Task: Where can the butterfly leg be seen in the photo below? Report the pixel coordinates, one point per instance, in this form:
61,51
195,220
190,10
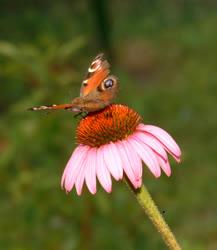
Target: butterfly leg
81,114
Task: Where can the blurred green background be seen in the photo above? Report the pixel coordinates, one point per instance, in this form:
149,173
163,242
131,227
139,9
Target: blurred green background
164,54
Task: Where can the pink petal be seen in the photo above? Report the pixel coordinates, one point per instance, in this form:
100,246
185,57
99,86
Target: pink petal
102,172
73,167
166,139
90,171
147,155
117,160
112,160
153,143
134,159
126,165
70,164
165,166
79,182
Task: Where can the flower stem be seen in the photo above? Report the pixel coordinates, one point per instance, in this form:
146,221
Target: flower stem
147,203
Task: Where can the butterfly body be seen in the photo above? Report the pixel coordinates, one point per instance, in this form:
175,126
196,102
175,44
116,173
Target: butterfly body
97,90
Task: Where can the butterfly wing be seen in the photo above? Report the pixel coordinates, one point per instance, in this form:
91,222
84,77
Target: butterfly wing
96,92
97,72
67,106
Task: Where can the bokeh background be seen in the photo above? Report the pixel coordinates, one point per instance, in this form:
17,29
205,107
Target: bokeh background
164,54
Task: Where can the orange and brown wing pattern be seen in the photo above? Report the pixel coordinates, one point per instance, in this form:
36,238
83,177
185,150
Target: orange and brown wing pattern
97,72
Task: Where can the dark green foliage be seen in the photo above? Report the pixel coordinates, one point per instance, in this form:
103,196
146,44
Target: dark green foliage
165,58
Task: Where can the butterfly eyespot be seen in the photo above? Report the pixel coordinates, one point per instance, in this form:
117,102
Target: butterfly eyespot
94,66
108,83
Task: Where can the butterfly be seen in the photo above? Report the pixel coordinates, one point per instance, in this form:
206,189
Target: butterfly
98,89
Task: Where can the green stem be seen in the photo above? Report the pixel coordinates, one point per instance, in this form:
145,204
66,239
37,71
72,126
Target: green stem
147,203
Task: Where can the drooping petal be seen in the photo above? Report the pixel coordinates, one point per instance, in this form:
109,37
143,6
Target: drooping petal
116,159
112,160
102,172
73,167
127,166
70,164
79,182
153,143
134,159
165,166
147,155
169,143
90,171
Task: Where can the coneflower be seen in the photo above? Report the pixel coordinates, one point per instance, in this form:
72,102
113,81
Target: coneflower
114,142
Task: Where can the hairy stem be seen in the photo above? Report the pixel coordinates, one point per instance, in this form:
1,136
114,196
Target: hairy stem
148,205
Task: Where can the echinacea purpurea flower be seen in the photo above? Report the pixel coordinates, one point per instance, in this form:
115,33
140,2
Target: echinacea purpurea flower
114,142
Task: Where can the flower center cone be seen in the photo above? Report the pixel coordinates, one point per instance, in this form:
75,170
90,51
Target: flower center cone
115,122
